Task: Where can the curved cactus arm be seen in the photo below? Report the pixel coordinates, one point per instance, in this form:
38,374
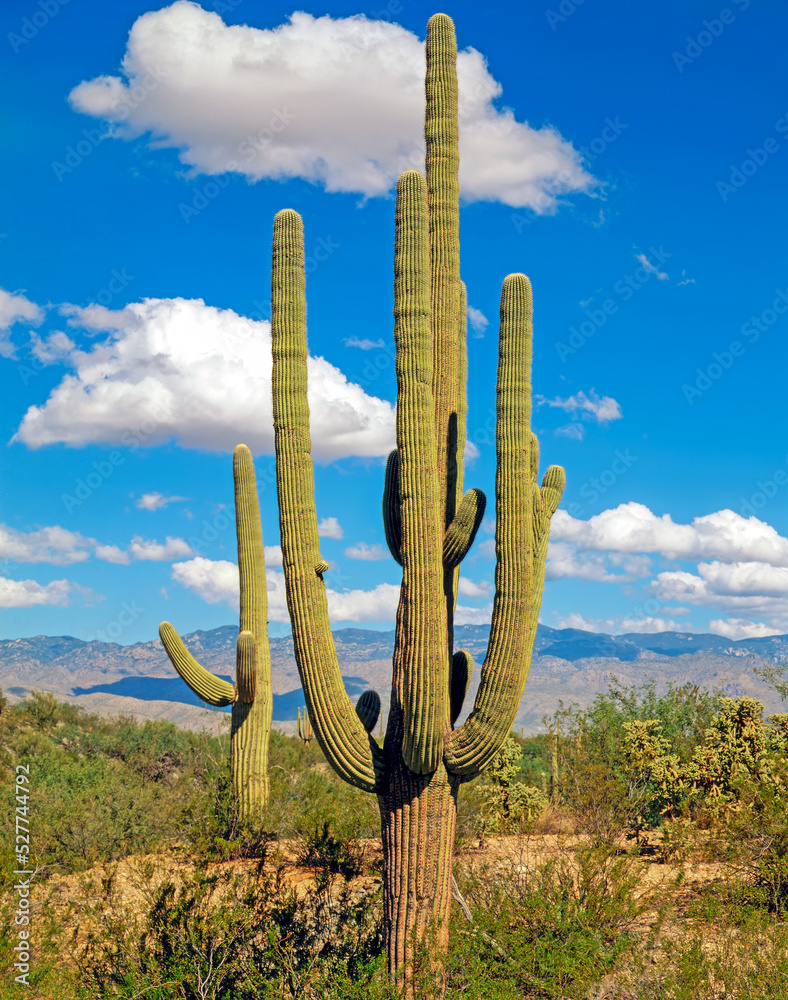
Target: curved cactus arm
368,709
461,532
422,657
461,673
246,667
338,729
205,685
392,513
520,509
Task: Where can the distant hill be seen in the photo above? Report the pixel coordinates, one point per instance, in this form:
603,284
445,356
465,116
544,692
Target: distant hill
568,664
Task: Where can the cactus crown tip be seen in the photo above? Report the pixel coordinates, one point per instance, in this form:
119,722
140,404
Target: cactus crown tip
438,21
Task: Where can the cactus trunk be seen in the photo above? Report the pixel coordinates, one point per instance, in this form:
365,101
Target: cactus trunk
429,526
250,696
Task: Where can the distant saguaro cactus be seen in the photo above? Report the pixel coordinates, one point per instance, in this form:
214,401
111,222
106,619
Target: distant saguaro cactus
429,525
250,696
305,733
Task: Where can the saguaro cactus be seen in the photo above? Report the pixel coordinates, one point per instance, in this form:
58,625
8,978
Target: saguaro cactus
429,526
250,696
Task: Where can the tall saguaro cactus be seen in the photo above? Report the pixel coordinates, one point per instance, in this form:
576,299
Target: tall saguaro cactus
250,696
429,527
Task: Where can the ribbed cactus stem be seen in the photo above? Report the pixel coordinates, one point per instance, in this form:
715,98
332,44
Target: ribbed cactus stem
420,637
429,527
505,669
251,695
338,730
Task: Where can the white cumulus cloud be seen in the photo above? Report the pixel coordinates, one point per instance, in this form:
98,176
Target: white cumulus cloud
603,409
365,552
155,501
329,527
150,549
337,102
216,582
179,369
15,308
632,527
29,593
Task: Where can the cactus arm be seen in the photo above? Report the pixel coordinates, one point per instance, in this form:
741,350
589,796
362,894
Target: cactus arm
461,673
205,685
368,709
392,515
462,531
421,649
521,530
337,728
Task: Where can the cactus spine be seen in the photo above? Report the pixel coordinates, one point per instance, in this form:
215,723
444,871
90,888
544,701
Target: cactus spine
429,527
250,696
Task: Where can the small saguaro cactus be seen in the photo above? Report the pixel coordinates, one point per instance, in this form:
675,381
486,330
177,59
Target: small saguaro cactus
305,733
429,525
250,696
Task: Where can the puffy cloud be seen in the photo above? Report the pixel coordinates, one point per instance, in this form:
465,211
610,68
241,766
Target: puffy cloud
178,369
603,409
273,555
364,343
29,593
478,321
563,560
113,554
329,527
741,628
173,548
14,308
465,615
622,624
367,553
481,591
53,544
155,501
52,349
729,588
337,102
632,527
216,581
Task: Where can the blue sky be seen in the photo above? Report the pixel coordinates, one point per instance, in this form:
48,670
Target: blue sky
628,158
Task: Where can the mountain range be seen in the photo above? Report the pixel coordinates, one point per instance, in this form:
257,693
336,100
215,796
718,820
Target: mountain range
570,665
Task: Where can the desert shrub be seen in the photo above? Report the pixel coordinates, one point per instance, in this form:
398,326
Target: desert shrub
508,802
218,933
550,929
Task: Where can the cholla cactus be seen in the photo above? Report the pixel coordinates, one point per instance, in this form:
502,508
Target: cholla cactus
429,525
250,696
